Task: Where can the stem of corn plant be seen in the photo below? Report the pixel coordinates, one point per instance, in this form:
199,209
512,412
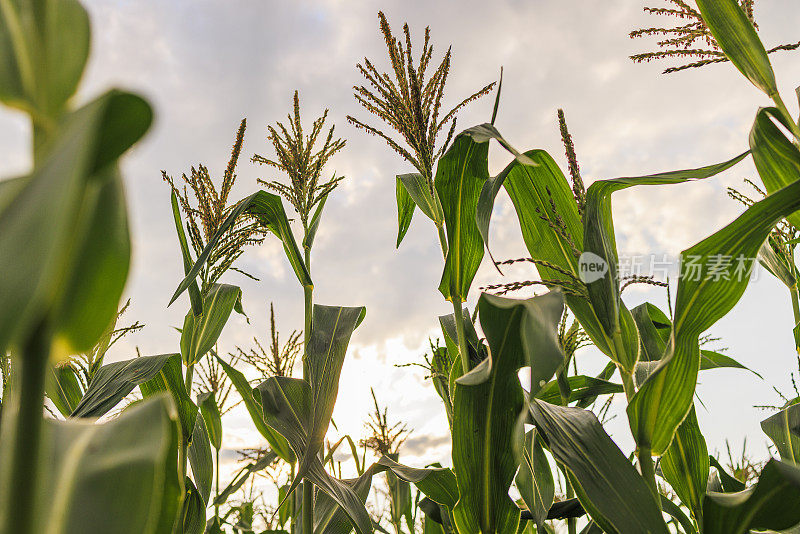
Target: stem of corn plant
216,487
308,488
572,523
457,310
28,397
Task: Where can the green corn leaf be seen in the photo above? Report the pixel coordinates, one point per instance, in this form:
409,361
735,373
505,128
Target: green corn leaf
277,442
200,334
63,388
437,483
676,512
331,329
48,229
534,479
199,453
313,226
729,483
608,486
194,291
405,211
288,408
779,266
460,175
519,333
782,428
126,468
114,381
704,296
44,54
599,240
655,328
419,191
777,159
772,504
210,410
737,37
268,209
194,510
715,360
583,388
652,334
243,475
170,379
534,190
685,465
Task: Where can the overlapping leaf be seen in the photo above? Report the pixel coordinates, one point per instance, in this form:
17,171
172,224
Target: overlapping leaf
253,404
534,479
519,333
608,486
169,379
114,381
199,334
772,504
782,428
685,465
707,290
127,474
460,175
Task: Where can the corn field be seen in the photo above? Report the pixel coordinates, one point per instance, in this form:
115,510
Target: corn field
540,437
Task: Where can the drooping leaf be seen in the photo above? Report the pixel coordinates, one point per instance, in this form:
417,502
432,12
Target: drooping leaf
405,211
114,381
707,290
582,388
534,479
243,475
608,486
772,504
728,482
268,209
519,333
782,428
736,36
200,334
210,410
460,175
47,232
331,329
420,193
716,360
599,239
199,453
125,469
276,442
677,513
437,483
169,379
288,408
685,465
777,159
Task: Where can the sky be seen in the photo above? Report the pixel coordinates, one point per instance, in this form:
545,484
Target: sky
204,65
